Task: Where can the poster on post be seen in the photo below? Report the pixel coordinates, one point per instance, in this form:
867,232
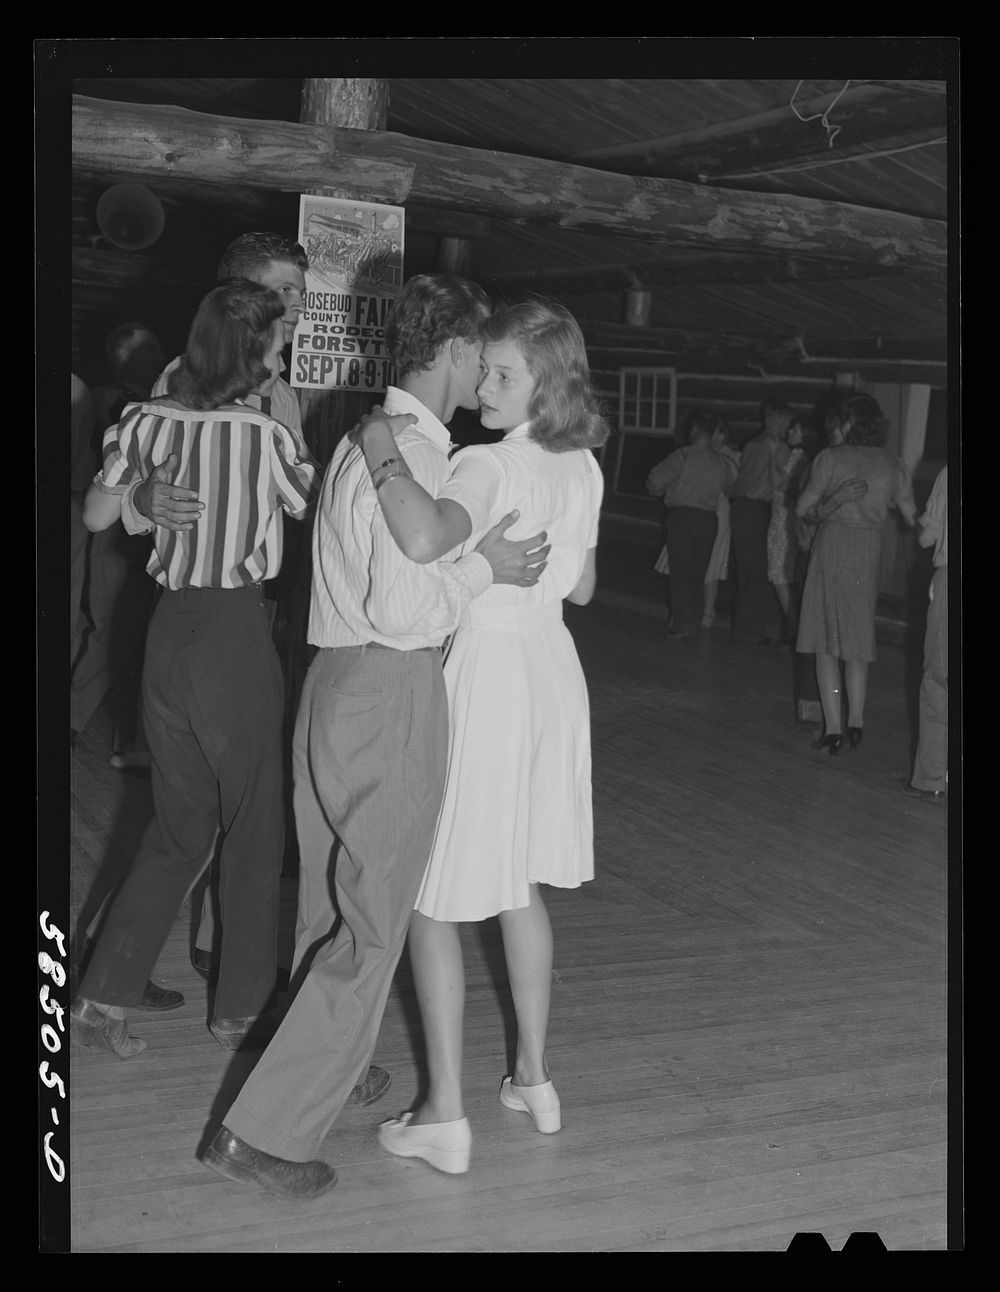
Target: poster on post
355,252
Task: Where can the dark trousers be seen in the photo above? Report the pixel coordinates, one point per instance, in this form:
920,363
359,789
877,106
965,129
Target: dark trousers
119,596
212,705
756,612
690,535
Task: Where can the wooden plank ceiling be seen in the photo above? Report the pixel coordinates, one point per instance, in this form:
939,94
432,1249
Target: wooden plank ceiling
880,145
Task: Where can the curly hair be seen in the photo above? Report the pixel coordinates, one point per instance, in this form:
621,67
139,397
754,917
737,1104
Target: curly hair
864,424
231,333
565,413
430,310
252,252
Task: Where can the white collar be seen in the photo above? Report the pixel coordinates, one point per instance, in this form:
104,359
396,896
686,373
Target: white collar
401,401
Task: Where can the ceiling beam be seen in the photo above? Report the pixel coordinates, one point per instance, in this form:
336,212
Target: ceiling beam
265,209
865,116
151,141
922,361
686,270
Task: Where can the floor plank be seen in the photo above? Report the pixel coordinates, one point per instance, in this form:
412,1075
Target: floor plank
749,1017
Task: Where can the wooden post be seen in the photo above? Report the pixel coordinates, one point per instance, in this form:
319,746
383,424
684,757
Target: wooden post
638,304
358,104
454,256
326,414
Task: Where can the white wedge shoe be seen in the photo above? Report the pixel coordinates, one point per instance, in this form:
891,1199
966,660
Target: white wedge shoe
445,1145
541,1102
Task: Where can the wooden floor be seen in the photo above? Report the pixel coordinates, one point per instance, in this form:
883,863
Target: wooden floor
749,1016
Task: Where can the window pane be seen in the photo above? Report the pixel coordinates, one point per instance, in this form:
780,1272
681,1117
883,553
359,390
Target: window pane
646,398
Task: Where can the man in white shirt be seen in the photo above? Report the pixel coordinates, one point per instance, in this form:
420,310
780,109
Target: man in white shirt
370,750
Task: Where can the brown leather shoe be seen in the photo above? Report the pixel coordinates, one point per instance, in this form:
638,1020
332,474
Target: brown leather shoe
92,1028
373,1086
237,1160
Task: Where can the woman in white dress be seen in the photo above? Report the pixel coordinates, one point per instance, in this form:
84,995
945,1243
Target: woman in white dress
517,808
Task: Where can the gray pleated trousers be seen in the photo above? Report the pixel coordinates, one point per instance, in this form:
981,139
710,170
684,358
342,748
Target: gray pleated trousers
370,755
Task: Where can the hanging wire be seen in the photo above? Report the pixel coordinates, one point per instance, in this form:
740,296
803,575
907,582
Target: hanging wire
831,131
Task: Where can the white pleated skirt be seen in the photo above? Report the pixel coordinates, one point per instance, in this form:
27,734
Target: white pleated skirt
517,806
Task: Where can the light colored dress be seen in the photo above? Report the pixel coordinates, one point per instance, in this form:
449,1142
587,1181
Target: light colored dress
517,807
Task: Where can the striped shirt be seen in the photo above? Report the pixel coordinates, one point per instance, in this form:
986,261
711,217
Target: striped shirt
282,406
364,589
244,466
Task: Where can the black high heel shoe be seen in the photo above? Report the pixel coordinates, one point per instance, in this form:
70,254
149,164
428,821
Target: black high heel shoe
854,736
831,743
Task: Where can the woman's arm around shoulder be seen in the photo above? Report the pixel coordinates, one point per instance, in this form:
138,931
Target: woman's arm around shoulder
424,528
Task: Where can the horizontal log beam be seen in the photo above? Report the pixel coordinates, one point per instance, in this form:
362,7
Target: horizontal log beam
933,348
441,223
687,270
153,140
772,355
264,209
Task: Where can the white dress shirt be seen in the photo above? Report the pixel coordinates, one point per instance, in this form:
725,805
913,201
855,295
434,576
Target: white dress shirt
363,588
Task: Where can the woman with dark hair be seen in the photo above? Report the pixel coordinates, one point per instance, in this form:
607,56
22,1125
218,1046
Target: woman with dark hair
212,688
850,489
517,809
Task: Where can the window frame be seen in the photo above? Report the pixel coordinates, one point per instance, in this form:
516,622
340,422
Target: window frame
656,399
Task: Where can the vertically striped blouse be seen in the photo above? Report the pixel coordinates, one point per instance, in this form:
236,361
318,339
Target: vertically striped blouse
243,465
